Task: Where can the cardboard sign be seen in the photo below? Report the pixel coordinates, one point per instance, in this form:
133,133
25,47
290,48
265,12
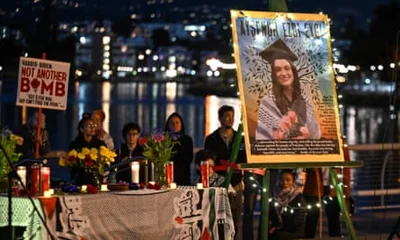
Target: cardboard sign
42,83
287,87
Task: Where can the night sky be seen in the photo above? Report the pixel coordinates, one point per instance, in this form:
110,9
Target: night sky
338,10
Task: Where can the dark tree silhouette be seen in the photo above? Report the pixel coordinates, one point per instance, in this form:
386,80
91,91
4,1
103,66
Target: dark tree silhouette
160,37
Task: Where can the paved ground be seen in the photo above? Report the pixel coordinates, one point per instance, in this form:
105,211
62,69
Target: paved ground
369,225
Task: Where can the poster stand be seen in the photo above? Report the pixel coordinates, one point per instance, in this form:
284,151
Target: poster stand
266,182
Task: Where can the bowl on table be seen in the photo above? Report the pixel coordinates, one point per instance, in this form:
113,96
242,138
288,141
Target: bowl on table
118,187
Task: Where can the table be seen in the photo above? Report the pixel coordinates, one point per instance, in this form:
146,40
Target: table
184,213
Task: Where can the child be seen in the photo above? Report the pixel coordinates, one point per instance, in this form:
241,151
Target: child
288,215
215,180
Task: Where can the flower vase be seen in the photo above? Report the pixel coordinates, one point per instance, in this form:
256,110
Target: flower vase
85,176
161,174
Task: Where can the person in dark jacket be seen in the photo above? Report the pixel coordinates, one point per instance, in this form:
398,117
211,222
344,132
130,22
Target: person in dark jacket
86,139
28,133
288,210
86,135
183,156
220,142
129,149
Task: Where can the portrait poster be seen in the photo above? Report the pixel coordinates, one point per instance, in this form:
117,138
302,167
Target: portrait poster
287,88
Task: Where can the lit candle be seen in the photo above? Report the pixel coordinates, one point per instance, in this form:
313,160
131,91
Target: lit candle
83,188
199,185
173,185
51,191
35,178
46,194
135,172
170,173
204,173
45,171
21,171
104,187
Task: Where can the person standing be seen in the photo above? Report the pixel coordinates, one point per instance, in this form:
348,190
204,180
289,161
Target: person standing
98,116
220,142
28,133
129,149
183,156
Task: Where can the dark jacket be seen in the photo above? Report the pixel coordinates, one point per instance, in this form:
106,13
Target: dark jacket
292,222
183,156
124,173
28,147
80,143
214,143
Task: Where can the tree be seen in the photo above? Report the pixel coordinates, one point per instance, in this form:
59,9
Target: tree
160,38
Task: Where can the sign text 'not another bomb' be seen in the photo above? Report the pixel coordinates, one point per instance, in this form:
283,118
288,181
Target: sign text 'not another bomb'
43,83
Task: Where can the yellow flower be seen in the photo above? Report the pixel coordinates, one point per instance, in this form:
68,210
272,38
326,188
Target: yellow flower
73,152
62,162
19,140
94,153
83,153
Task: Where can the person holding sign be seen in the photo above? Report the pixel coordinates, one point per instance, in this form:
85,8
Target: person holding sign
285,112
28,133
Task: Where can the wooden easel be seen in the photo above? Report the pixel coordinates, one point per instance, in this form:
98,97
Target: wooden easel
266,182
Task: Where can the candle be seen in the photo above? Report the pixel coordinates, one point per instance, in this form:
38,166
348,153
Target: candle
170,173
151,169
135,172
144,172
173,185
46,194
204,173
35,179
21,171
83,188
199,185
103,187
45,171
51,191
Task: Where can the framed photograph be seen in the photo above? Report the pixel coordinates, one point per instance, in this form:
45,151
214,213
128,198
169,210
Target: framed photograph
287,87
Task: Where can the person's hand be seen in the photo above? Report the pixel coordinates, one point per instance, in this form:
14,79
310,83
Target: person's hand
304,132
278,134
292,116
39,139
285,124
272,230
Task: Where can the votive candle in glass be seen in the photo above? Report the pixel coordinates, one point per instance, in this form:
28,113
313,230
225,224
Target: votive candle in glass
21,171
170,173
135,167
35,188
45,171
204,173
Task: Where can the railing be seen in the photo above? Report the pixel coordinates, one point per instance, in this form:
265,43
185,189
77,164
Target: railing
377,184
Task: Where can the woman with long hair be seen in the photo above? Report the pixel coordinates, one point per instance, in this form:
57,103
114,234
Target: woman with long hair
285,112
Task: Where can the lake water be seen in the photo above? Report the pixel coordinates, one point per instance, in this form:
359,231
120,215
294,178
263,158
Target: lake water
149,104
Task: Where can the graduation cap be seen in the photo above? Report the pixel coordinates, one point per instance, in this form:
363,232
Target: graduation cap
278,50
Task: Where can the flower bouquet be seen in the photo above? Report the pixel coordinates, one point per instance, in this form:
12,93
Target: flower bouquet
290,127
90,161
9,141
158,148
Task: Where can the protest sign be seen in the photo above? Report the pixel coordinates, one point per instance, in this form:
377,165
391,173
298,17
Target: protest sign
42,83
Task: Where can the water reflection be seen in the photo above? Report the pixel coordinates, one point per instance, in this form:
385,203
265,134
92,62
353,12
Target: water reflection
149,104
